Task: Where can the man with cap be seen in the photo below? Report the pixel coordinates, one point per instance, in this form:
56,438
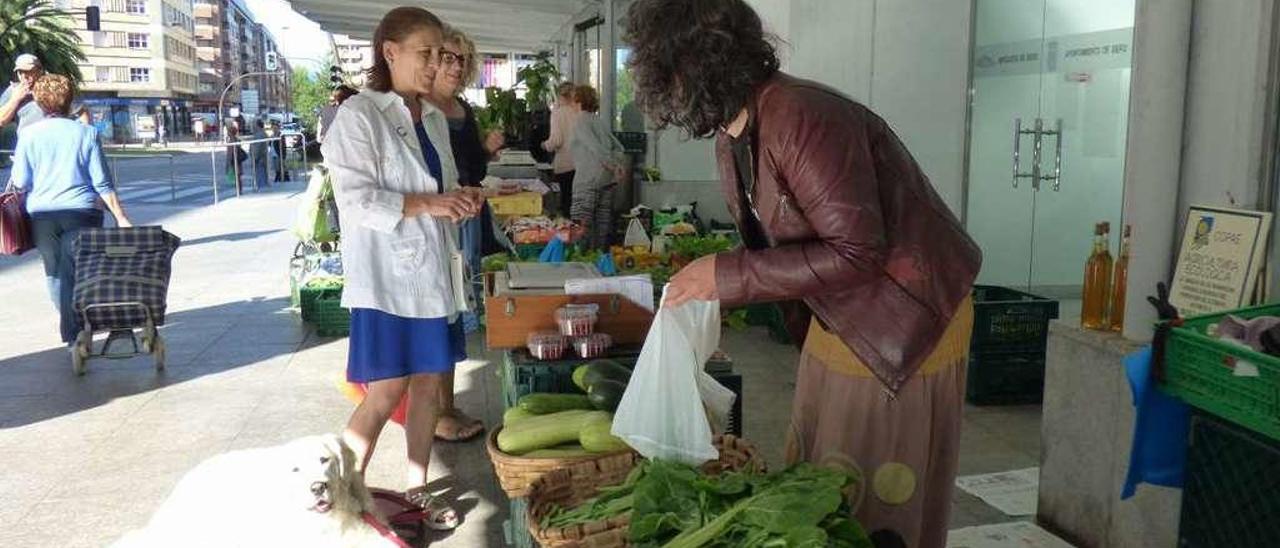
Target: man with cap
16,100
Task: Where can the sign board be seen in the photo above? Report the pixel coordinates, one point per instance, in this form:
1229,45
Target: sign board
1222,252
145,127
249,102
271,61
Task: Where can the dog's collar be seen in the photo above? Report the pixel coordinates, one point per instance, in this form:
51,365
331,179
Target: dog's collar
383,530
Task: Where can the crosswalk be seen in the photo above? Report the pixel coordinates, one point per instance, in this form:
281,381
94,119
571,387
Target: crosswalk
185,189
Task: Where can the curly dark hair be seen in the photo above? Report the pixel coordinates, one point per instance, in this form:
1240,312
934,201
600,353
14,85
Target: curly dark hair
696,63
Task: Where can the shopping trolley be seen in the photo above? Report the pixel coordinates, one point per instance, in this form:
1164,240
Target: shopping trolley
122,285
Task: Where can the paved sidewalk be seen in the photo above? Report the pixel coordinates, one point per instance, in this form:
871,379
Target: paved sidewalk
83,460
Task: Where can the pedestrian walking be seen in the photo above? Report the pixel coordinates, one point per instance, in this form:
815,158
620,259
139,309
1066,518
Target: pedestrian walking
235,156
281,152
60,166
197,127
258,151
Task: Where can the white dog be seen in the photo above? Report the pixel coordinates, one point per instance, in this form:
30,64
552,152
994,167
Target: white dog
305,493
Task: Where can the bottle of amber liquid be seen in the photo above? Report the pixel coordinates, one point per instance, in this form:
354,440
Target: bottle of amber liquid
1118,283
1097,278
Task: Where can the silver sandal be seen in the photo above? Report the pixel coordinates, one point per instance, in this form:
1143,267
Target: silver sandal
437,514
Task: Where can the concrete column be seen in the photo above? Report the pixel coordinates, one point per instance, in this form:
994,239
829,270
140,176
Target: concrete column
609,62
1153,152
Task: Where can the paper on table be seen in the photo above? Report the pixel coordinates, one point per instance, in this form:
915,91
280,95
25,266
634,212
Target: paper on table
1018,534
636,288
1013,492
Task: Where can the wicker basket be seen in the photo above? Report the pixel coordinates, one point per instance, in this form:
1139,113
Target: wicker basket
515,473
575,484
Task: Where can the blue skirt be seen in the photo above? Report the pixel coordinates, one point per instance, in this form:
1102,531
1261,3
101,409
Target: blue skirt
385,346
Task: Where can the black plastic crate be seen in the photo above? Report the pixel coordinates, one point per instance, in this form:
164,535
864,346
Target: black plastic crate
522,374
1010,321
1232,492
1005,379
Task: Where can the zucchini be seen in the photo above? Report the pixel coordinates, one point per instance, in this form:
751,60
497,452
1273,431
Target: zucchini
597,438
579,375
559,451
515,414
606,394
599,370
542,404
545,431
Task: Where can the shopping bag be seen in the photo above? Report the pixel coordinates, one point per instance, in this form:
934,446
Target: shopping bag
554,252
666,408
312,221
15,225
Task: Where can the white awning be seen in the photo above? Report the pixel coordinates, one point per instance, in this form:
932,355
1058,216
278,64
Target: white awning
495,25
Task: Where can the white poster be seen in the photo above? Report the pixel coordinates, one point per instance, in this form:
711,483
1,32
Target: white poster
1218,263
1013,492
1018,534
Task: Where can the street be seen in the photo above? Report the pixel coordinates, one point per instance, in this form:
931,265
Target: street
147,179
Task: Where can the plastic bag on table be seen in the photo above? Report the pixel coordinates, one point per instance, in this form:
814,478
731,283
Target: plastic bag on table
664,412
554,252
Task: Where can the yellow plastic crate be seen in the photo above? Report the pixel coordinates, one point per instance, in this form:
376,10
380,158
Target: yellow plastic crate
523,203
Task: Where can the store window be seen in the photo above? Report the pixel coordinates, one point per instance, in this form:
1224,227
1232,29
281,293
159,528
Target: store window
136,7
138,40
139,75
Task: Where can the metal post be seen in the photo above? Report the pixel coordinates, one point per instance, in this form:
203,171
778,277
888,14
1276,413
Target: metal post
213,164
305,165
173,191
235,166
115,173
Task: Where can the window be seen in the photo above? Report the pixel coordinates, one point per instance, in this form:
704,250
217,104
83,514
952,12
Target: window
136,7
139,75
138,40
103,74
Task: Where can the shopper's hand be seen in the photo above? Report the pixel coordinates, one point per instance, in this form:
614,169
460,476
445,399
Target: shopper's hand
476,197
124,222
454,206
696,281
494,142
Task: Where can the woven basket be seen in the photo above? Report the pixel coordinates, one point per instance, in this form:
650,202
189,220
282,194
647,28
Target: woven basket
515,473
577,483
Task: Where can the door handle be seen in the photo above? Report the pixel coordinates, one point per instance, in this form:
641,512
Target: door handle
1035,155
1057,156
1018,132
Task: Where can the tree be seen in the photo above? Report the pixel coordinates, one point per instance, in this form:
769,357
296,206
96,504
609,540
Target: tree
310,94
38,27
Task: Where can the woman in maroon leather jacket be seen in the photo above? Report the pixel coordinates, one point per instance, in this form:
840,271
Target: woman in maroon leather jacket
838,220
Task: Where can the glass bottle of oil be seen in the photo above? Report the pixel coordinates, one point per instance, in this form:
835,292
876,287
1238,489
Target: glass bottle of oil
1097,278
1118,282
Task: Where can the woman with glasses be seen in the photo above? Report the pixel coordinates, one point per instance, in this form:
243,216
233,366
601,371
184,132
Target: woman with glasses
472,151
396,185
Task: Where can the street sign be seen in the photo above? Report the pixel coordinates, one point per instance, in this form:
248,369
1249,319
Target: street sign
272,63
249,101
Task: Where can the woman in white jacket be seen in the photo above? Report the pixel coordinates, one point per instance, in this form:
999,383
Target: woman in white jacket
396,185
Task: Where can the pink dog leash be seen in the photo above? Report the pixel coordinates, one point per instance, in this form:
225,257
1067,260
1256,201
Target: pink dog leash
383,530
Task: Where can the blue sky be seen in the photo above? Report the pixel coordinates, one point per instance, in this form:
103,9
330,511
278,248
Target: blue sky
305,44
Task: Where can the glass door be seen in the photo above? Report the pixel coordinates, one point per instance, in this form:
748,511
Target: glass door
1004,102
1048,122
1084,92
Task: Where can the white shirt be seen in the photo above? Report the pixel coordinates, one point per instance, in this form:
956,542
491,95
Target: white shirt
394,264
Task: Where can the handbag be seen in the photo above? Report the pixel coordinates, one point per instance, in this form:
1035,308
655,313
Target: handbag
15,225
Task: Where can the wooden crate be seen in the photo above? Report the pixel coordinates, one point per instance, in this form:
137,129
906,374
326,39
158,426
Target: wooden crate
511,315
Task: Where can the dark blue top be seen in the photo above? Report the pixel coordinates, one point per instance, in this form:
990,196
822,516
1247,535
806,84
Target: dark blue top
431,156
468,147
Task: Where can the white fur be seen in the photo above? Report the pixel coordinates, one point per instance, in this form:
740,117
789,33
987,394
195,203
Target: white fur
264,497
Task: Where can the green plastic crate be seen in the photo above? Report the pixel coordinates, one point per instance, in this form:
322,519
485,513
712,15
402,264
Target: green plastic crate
1229,499
307,297
516,528
1010,321
1005,379
1201,371
522,375
330,318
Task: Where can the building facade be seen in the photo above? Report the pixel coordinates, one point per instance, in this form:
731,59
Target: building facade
140,68
354,57
231,43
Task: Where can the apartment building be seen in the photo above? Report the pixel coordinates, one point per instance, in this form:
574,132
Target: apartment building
140,68
354,57
231,43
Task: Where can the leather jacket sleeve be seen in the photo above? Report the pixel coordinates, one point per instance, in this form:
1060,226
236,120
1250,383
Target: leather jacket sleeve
824,157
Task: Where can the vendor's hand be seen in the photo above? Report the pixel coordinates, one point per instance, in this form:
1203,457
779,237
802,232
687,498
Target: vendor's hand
494,142
696,281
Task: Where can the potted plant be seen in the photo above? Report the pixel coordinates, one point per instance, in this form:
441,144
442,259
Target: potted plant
539,80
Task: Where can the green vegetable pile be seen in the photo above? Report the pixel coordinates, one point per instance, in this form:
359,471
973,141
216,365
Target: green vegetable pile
324,282
692,247
495,263
675,506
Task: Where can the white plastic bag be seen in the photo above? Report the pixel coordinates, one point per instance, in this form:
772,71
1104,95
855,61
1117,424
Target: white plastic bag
664,412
